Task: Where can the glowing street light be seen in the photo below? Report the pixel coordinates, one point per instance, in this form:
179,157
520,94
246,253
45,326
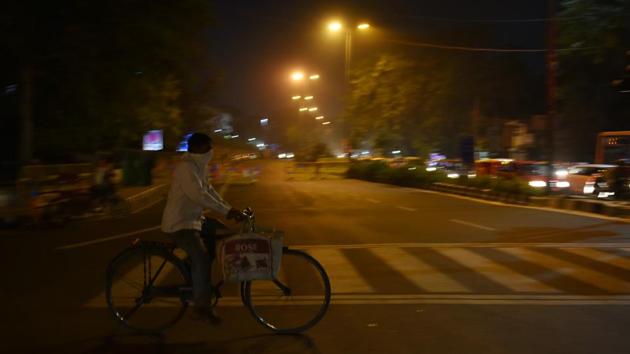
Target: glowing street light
297,97
326,123
314,77
297,76
319,117
312,109
308,98
251,139
335,26
303,109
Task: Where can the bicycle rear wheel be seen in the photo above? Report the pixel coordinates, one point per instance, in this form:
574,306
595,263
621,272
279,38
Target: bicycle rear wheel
146,287
293,302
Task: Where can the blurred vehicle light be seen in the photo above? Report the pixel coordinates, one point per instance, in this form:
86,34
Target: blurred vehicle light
563,184
453,175
562,173
537,184
589,188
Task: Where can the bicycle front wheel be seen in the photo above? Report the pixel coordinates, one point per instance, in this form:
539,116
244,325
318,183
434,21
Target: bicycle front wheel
293,302
145,288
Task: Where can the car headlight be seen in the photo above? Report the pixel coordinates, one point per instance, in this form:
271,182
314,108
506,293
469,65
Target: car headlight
562,173
452,175
563,184
537,184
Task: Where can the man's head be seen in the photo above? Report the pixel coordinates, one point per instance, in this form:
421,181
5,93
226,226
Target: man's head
199,143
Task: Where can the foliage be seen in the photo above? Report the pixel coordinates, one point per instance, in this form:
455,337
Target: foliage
599,34
313,152
426,101
379,171
104,74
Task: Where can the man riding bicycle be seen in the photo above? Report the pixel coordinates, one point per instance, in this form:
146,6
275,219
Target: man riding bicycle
189,194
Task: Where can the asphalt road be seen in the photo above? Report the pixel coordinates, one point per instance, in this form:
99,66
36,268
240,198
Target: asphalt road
411,271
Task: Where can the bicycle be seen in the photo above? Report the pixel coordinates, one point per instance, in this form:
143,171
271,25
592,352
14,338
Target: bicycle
169,287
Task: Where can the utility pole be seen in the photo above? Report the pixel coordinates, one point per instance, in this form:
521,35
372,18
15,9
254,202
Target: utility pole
552,68
348,55
26,114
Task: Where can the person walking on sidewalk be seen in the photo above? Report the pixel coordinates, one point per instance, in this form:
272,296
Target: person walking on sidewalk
183,219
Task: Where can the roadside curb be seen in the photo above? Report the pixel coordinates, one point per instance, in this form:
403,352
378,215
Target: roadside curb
561,202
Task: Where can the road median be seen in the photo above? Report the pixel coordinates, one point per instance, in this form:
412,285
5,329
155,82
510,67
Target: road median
608,208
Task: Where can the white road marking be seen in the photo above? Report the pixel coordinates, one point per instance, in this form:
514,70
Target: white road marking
586,275
423,275
105,239
468,245
146,191
601,256
478,226
406,208
496,271
372,200
416,299
344,276
490,202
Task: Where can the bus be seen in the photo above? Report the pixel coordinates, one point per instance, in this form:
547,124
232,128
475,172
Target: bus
612,146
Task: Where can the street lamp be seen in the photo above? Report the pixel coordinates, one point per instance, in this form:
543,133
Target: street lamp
326,123
312,109
297,76
314,77
296,97
303,109
319,117
308,98
336,26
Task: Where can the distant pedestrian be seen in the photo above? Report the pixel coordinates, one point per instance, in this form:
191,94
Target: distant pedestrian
104,185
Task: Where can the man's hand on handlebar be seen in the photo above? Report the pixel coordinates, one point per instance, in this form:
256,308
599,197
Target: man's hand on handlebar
235,214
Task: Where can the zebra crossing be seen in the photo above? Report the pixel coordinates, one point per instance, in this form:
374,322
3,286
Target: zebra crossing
470,269
467,273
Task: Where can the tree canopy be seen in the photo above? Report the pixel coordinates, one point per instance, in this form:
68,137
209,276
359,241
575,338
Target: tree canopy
99,76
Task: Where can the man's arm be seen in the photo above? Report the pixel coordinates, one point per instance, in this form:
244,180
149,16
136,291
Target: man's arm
194,189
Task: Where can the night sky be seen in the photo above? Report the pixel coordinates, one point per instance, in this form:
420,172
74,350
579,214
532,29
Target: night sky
258,43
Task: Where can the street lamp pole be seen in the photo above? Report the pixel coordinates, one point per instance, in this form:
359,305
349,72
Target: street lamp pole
348,54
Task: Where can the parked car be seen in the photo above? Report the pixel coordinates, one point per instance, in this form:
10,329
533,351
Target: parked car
588,178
